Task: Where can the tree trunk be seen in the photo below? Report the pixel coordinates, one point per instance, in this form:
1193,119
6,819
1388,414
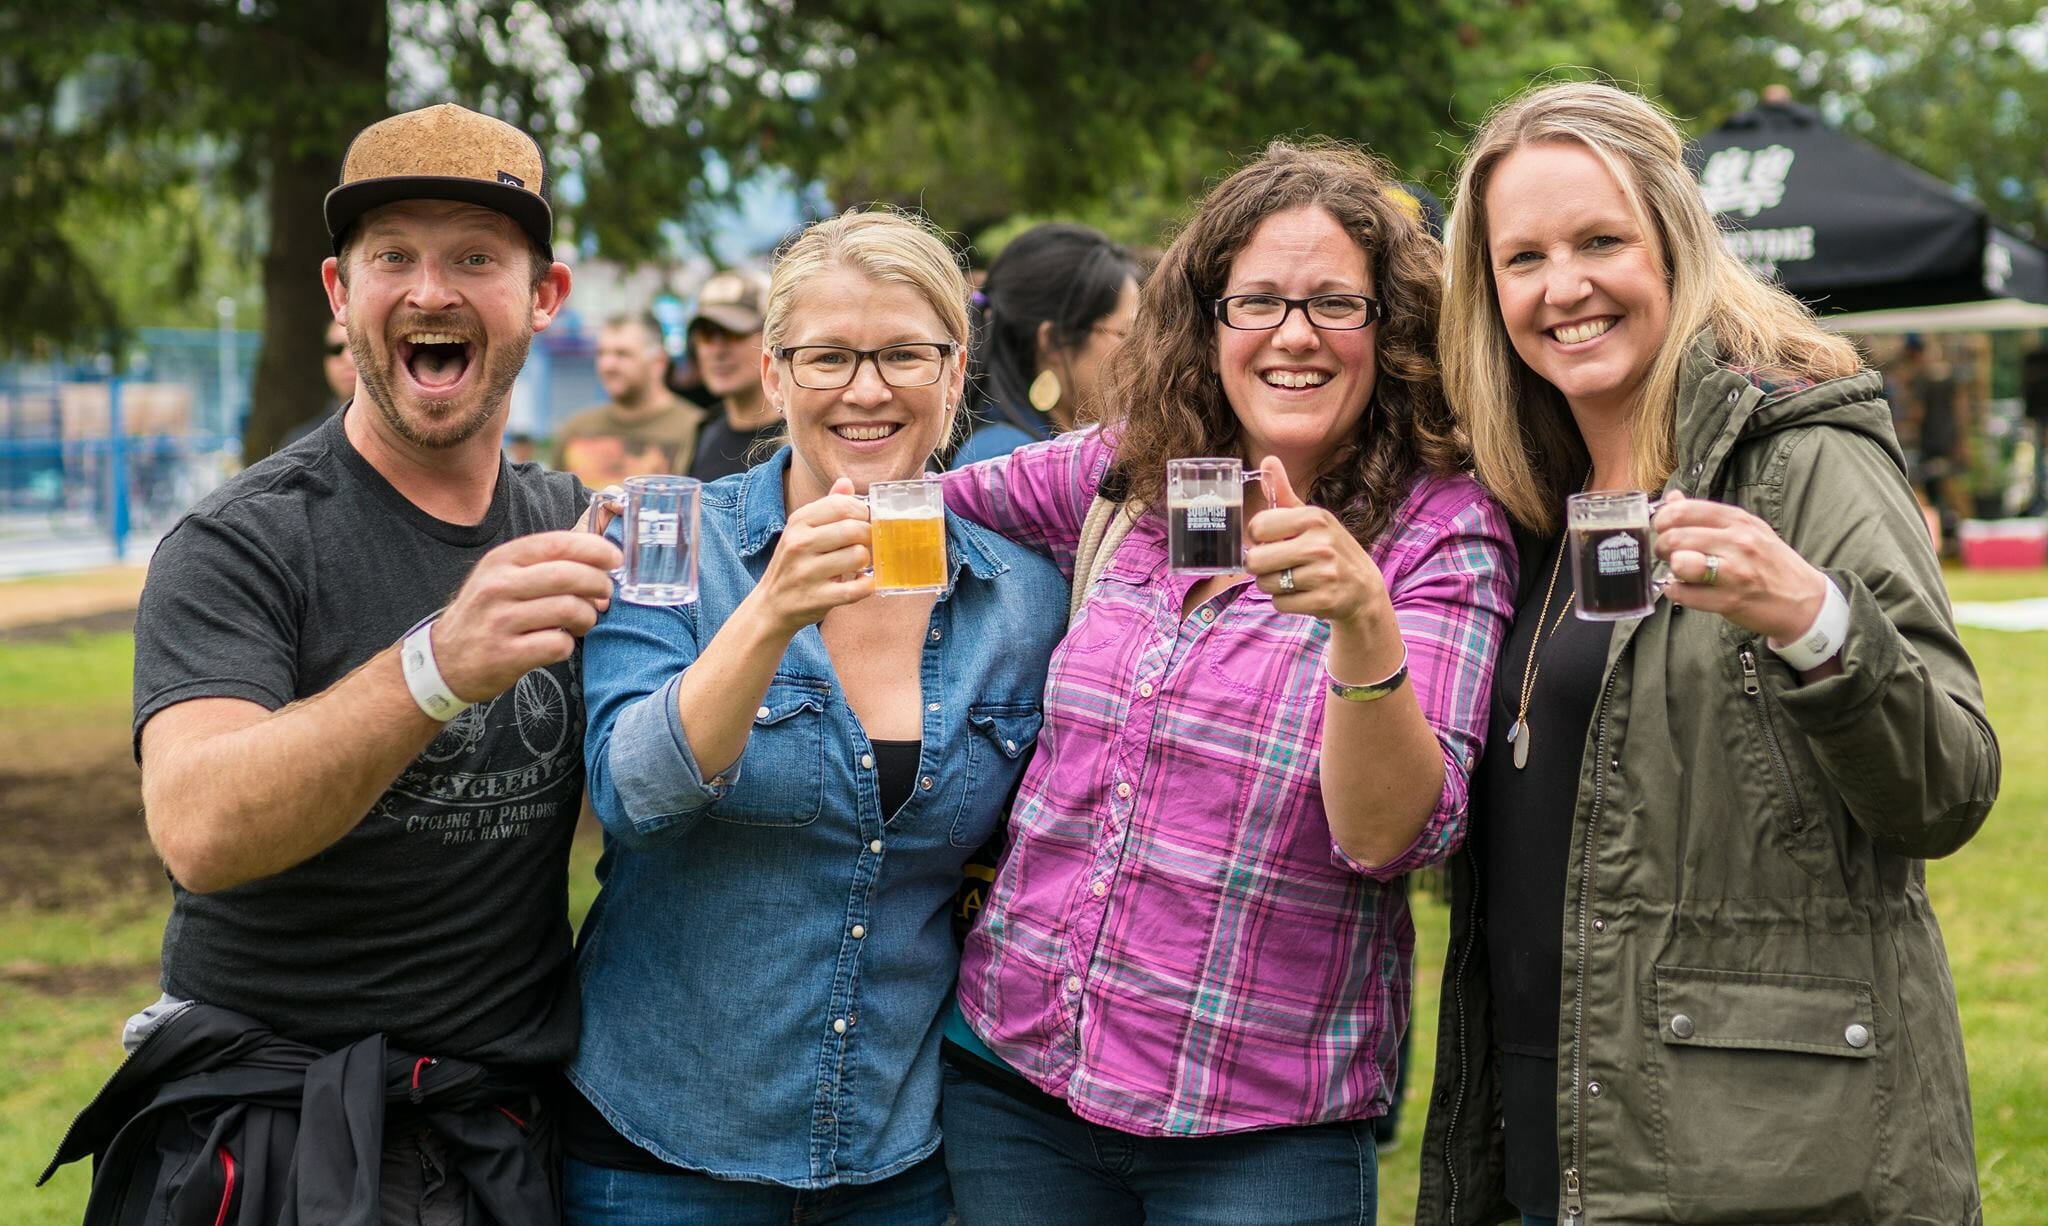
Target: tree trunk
302,155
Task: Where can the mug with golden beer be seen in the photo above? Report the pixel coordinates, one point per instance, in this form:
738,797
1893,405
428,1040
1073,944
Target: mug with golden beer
908,521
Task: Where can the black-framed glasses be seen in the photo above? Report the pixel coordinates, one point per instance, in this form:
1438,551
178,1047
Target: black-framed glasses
827,368
1264,312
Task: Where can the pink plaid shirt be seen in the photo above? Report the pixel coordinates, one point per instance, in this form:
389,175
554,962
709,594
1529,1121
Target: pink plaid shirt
1175,944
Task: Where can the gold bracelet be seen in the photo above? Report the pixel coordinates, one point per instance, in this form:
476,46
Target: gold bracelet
1373,692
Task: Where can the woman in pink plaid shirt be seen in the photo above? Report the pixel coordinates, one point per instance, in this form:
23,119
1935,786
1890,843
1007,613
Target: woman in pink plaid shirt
1184,997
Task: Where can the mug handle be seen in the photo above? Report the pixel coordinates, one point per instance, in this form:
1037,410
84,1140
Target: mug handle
1660,572
605,506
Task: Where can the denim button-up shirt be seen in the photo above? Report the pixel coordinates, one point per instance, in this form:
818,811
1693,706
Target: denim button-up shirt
764,969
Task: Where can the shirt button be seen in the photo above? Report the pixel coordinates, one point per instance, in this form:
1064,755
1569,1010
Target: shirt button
1073,983
838,1025
867,761
875,845
1857,1035
931,706
935,634
1593,1088
761,713
1599,925
1681,1025
1010,745
1124,790
925,783
1099,888
1145,689
1208,615
859,931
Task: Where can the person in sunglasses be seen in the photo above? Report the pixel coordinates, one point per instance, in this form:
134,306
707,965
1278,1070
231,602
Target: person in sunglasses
792,773
339,365
1185,994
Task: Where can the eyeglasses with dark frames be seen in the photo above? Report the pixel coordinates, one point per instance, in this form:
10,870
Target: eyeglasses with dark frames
827,368
1264,312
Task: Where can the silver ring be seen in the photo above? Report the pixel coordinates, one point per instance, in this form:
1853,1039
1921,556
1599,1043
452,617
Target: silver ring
1712,575
1287,580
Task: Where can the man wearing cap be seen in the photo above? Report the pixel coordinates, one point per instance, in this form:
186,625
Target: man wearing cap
725,340
358,717
644,427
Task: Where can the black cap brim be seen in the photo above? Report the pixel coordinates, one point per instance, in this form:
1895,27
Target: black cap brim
346,205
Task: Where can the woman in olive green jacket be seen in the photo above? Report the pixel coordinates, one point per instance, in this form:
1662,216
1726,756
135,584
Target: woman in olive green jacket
1693,975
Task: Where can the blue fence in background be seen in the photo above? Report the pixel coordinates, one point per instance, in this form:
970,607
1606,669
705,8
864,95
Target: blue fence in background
95,467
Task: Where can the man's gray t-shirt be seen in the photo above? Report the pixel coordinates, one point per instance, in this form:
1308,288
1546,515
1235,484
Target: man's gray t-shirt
441,920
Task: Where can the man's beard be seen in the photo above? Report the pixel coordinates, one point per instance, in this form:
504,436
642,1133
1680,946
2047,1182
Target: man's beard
503,360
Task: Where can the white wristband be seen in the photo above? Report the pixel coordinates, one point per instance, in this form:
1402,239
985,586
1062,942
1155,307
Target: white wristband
1822,640
423,677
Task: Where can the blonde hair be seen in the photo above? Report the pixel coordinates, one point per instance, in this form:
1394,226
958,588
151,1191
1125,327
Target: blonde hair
883,244
1525,444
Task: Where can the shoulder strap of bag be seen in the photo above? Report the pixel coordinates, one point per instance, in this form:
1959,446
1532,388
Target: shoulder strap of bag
1107,523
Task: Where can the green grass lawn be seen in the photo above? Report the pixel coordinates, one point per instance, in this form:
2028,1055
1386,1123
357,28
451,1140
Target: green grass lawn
93,964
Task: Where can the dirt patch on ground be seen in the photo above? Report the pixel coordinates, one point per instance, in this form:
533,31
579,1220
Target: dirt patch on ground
91,979
67,598
73,831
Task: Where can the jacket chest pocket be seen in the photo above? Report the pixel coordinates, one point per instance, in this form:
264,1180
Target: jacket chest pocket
1000,738
1769,1099
1779,764
782,772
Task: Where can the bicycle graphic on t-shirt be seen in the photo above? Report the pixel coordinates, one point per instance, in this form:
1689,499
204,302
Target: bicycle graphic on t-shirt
540,715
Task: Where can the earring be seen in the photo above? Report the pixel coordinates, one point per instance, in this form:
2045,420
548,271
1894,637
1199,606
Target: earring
1045,391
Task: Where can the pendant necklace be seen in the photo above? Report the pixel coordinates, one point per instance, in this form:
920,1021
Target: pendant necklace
1518,732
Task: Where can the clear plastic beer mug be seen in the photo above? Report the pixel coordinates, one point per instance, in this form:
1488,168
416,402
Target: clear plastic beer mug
908,522
1615,571
1205,516
659,515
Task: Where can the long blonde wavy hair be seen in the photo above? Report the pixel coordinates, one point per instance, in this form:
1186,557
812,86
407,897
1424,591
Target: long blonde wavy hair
1525,444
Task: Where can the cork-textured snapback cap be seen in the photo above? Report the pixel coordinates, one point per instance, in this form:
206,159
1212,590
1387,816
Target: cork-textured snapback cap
444,152
736,300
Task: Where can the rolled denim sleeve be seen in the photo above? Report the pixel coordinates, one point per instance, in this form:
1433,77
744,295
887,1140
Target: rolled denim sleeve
645,785
1454,594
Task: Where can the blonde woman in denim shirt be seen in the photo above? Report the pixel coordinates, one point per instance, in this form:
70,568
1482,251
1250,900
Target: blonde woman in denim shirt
791,775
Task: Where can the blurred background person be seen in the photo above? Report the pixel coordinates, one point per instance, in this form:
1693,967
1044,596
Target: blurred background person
1053,309
340,367
1693,973
644,427
725,347
791,774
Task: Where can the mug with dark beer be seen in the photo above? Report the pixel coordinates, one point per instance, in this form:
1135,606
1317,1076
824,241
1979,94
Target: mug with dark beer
1205,516
908,522
1614,564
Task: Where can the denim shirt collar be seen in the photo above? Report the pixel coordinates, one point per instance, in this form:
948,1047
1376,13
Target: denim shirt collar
762,518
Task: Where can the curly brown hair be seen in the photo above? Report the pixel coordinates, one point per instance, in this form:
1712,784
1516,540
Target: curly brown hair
1168,402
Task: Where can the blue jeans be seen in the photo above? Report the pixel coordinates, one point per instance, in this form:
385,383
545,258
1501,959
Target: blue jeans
601,1196
1014,1164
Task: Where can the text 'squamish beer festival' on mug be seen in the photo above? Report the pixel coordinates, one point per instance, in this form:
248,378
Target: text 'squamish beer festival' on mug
1613,564
659,544
1205,516
908,522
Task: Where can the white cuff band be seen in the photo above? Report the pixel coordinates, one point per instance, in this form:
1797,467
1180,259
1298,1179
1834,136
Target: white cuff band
423,677
1823,640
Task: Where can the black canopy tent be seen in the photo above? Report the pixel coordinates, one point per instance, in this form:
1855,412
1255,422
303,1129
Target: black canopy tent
1848,227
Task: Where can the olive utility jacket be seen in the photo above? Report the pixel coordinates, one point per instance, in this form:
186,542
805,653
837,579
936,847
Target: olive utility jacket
1756,1020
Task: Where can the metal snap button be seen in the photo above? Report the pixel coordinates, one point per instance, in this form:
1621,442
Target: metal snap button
935,634
761,713
867,761
859,931
875,845
925,783
1593,1088
838,1025
1010,745
1858,1035
1681,1025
